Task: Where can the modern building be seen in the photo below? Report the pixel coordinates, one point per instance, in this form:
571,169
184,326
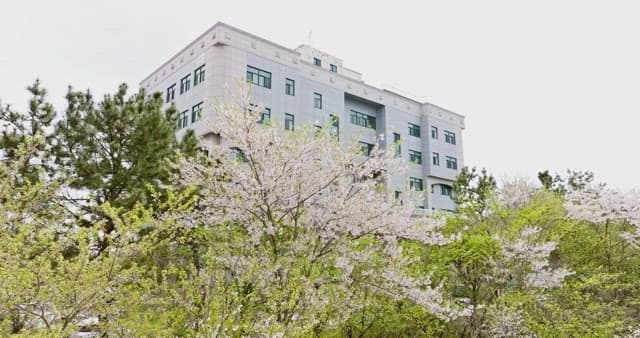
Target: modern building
307,86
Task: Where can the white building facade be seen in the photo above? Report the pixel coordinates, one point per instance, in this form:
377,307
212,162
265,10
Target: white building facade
307,86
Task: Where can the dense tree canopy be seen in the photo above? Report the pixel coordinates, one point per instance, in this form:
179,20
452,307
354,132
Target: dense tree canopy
288,234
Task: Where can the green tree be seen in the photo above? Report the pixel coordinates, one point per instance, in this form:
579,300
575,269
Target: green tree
473,190
116,150
19,127
51,276
575,180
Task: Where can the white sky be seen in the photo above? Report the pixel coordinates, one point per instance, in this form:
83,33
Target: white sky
543,84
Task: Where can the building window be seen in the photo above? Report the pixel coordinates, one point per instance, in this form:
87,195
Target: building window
204,151
445,190
449,137
435,158
363,120
414,130
333,68
366,148
335,126
452,162
171,93
289,122
183,119
317,62
196,112
198,75
258,77
317,100
238,155
396,144
290,87
434,132
265,117
415,184
185,84
415,157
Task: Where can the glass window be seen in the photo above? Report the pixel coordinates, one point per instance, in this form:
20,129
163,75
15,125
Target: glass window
366,148
435,158
335,126
185,84
434,132
317,62
452,162
238,155
265,117
196,112
183,119
333,68
198,75
290,87
258,77
445,190
363,120
289,122
171,93
317,100
415,183
414,130
449,137
396,144
415,156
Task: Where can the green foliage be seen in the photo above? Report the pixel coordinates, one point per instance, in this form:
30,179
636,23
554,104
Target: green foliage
575,179
473,190
148,267
116,148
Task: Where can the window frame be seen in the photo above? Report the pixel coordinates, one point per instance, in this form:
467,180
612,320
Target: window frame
416,182
198,75
171,93
185,84
289,122
369,148
434,132
414,130
415,156
362,119
445,190
317,62
290,88
317,100
333,68
183,119
449,137
258,74
196,112
452,162
397,145
265,112
435,158
335,126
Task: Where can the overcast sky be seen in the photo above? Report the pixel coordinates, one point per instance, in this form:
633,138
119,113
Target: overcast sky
543,84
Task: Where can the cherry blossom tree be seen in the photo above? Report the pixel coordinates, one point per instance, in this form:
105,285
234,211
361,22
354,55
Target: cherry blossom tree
306,228
600,205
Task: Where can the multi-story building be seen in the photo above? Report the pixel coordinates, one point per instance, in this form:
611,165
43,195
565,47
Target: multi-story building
307,86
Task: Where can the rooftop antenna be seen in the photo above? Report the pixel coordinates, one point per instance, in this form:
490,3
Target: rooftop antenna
310,37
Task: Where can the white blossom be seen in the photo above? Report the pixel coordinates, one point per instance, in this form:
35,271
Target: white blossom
526,254
302,205
599,204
